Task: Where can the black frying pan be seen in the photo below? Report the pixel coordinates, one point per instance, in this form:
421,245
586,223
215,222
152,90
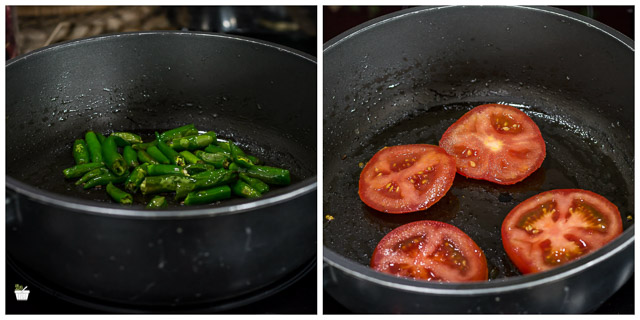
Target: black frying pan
205,257
405,78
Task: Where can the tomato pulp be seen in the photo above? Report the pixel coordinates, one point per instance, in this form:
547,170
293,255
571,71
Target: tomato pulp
495,142
406,178
432,251
558,226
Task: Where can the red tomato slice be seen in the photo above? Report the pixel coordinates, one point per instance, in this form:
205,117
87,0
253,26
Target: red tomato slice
495,142
406,178
432,251
557,226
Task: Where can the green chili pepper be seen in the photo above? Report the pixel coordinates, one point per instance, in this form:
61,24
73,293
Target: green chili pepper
183,188
208,196
166,169
253,159
198,167
144,157
158,184
157,202
174,156
219,160
190,158
157,155
114,160
224,145
81,152
180,160
270,175
104,179
204,180
100,137
119,141
79,170
239,157
176,133
255,183
128,137
130,157
91,174
145,145
135,178
216,149
214,178
243,189
119,195
229,147
193,142
94,146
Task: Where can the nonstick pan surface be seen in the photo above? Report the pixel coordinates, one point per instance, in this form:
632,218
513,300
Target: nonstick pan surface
476,207
266,114
427,68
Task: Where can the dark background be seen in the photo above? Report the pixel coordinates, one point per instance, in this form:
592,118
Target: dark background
299,297
338,19
32,27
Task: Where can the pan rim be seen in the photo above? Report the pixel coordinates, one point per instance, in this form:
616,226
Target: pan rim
285,194
591,23
497,286
75,42
289,193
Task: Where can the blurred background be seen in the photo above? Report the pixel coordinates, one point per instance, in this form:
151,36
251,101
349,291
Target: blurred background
32,27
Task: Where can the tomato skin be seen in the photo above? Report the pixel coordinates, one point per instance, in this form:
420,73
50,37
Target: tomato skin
495,142
406,178
564,225
431,251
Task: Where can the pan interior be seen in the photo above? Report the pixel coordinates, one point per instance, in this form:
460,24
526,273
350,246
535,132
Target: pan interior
477,207
408,78
259,96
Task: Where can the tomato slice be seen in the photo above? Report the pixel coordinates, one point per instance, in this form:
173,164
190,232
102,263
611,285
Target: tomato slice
558,226
495,142
406,178
432,251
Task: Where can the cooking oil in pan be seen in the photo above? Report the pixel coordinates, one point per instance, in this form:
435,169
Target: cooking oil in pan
574,160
